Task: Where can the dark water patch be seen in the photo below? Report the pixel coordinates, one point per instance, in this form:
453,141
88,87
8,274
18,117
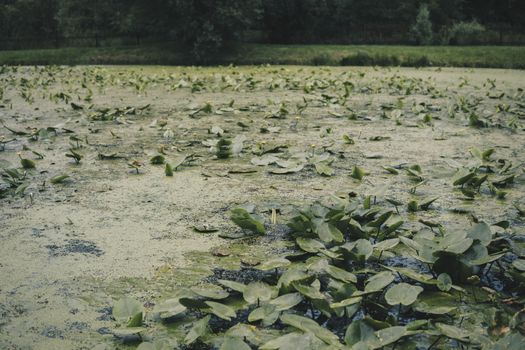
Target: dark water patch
75,246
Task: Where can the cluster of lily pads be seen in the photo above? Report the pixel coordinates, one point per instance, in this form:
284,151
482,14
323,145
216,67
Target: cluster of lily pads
360,274
356,279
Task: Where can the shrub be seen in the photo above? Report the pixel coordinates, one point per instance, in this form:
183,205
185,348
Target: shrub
361,58
322,60
364,59
387,60
468,33
421,31
421,61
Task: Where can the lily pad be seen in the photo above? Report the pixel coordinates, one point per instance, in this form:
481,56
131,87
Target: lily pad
198,330
379,281
436,303
128,310
256,292
170,308
310,326
222,311
286,301
231,343
481,232
274,264
444,282
402,293
246,221
453,332
211,292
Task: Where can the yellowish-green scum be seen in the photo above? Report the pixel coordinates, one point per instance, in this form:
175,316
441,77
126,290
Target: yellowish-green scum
417,169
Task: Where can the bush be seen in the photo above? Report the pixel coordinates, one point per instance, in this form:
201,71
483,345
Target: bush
387,60
361,58
421,31
468,33
421,61
322,60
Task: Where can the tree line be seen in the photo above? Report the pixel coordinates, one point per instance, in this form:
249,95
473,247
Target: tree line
205,26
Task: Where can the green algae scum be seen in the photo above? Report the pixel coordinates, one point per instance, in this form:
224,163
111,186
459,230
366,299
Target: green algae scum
262,208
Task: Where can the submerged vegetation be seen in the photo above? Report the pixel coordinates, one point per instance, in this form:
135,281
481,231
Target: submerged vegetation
376,209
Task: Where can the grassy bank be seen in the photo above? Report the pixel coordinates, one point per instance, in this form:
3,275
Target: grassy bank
333,55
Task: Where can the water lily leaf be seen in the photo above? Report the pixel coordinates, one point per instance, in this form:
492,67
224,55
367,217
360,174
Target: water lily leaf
292,275
380,220
476,251
324,169
264,160
358,173
481,232
462,177
417,324
310,245
247,221
290,170
21,189
416,276
232,343
327,232
135,321
388,336
487,259
198,330
359,250
58,179
195,304
294,341
387,244
402,293
346,302
453,332
158,160
512,341
168,170
348,140
519,264
308,291
455,243
266,312
436,303
256,292
379,281
127,332
391,170
504,181
274,264
128,309
161,344
169,308
444,282
427,202
358,331
340,274
310,326
210,292
220,310
286,301
236,286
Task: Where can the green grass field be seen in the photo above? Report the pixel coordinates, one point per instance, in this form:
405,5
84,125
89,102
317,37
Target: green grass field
247,54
